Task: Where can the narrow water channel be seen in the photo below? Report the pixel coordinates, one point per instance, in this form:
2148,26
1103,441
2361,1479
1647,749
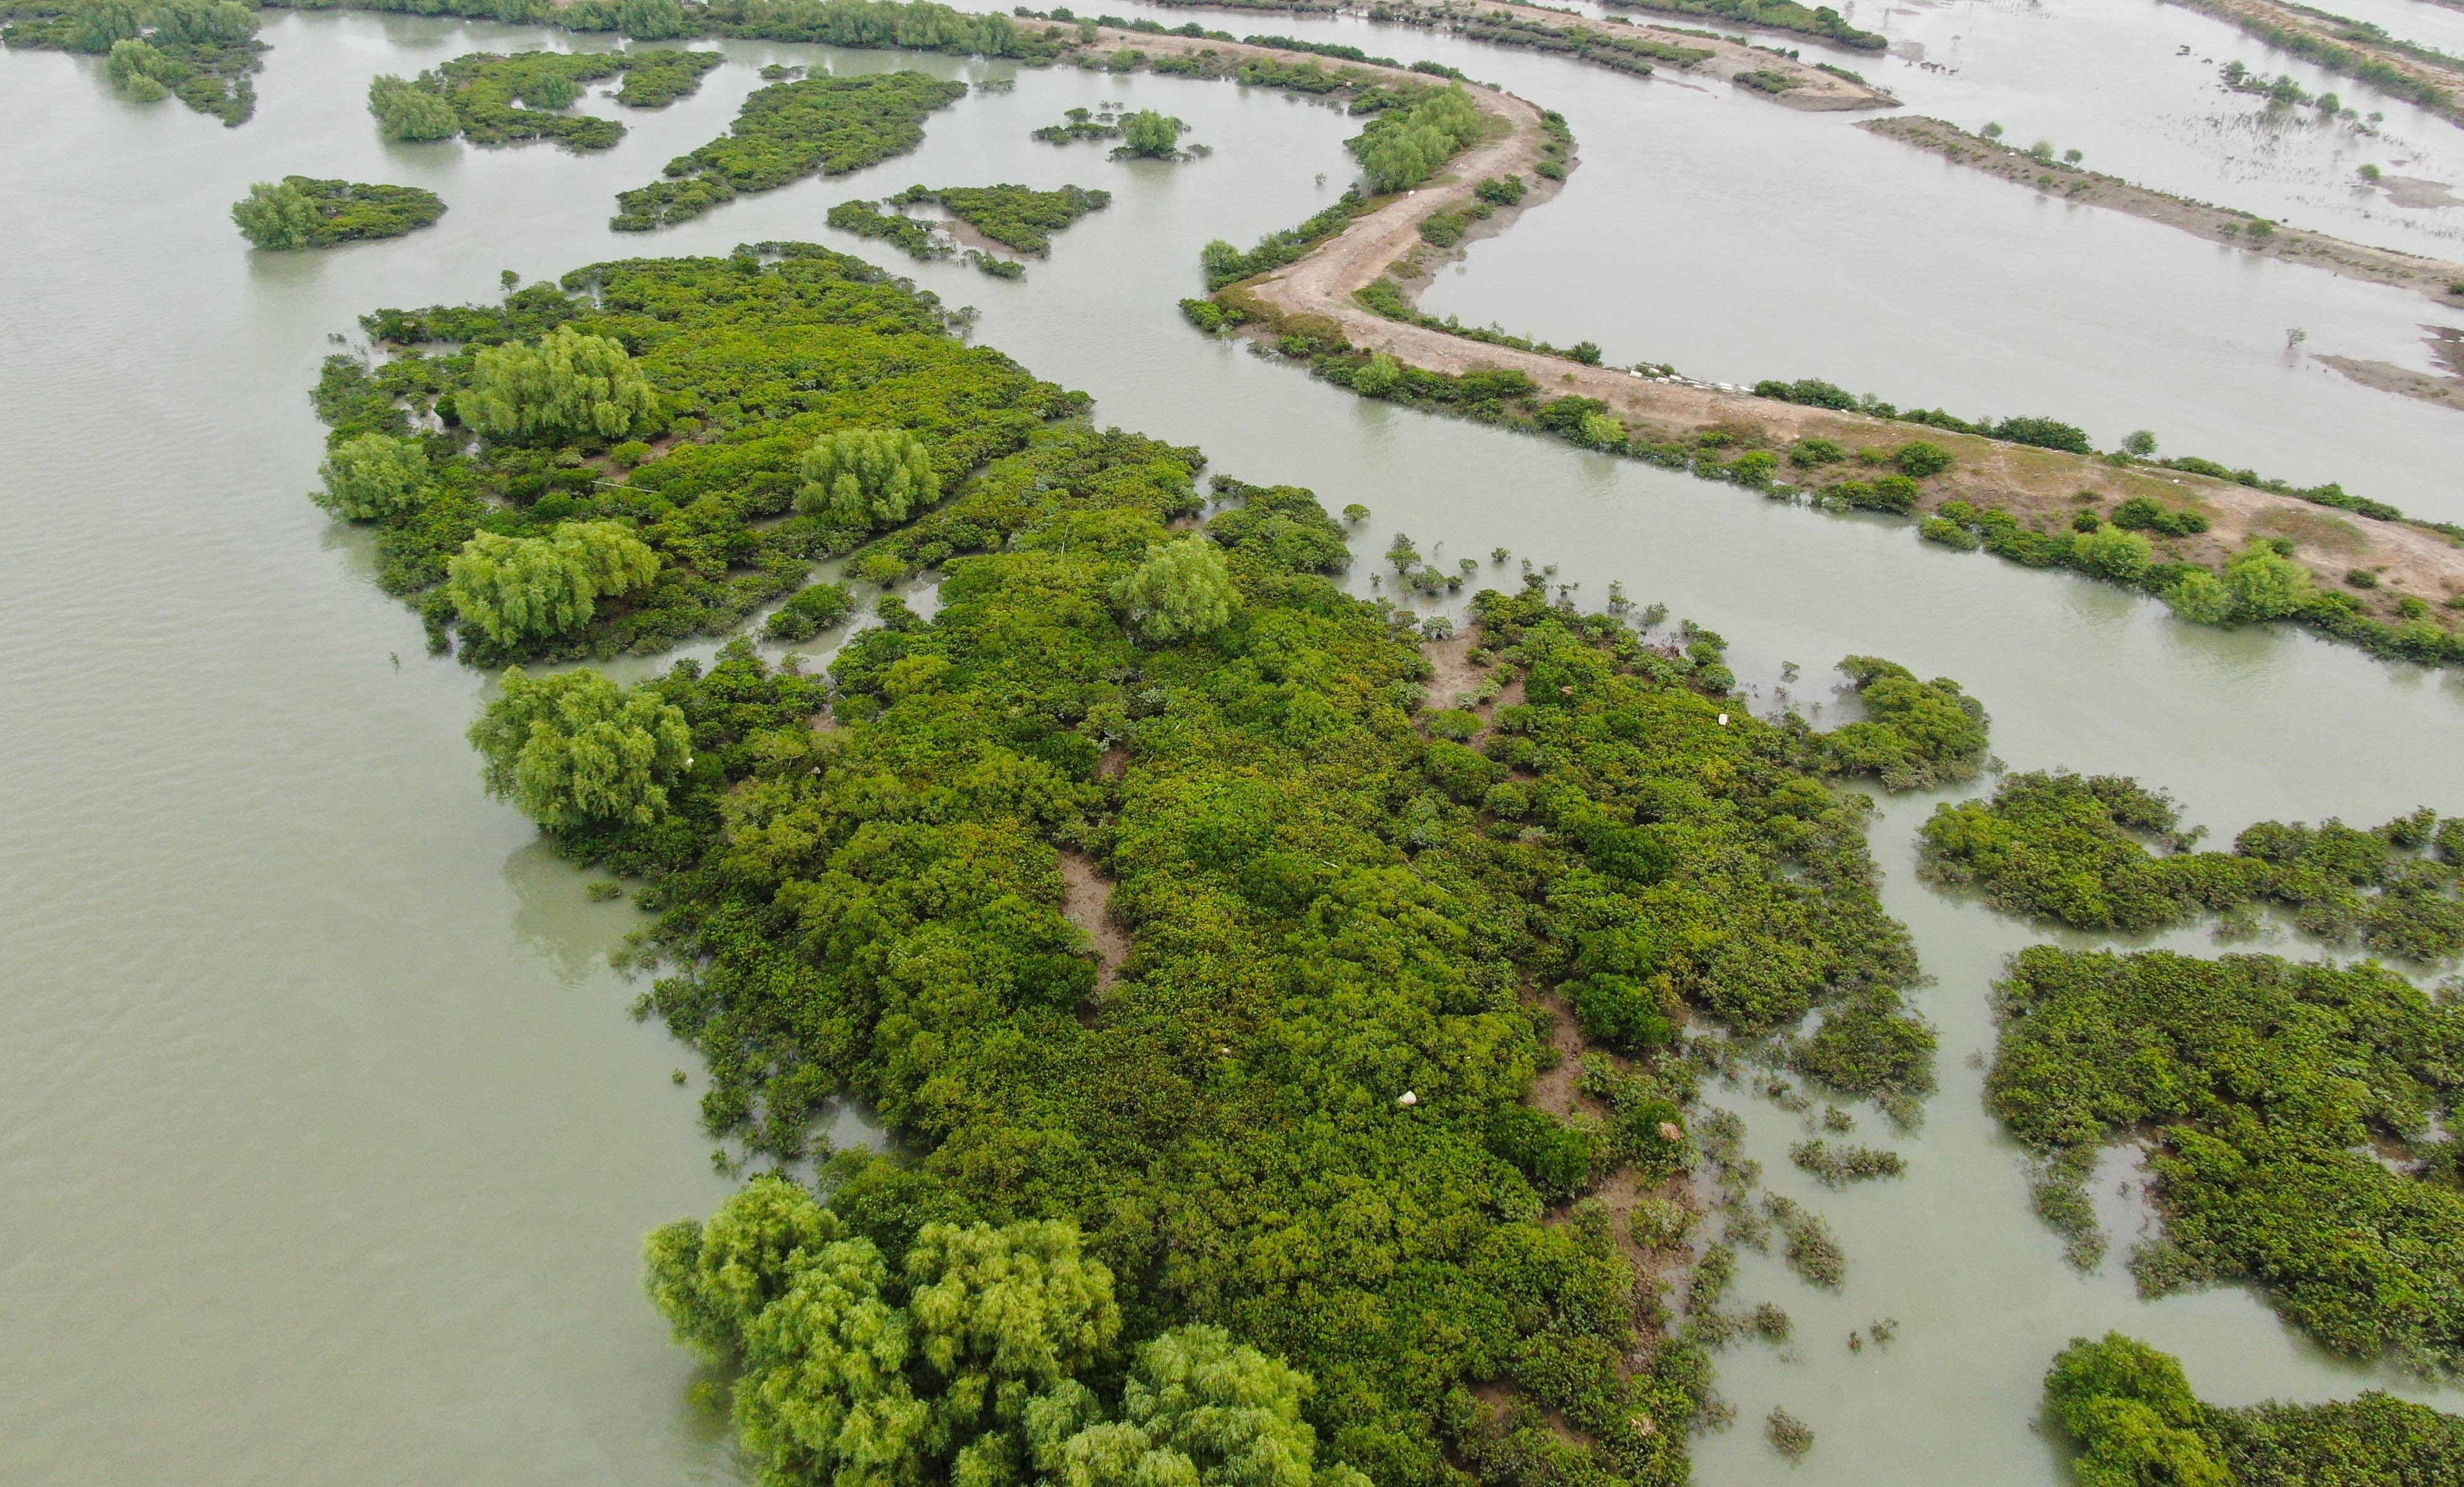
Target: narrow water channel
327,1141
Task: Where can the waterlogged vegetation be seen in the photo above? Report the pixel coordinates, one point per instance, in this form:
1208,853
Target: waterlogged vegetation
203,52
1015,216
788,131
2355,49
495,99
1018,217
300,211
1081,123
2293,1114
1337,921
2084,851
1321,1000
2131,1411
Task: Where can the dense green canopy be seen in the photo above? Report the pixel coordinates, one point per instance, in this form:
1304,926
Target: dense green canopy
2138,1425
2267,1084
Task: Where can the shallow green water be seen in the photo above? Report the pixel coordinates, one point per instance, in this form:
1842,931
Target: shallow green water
326,1141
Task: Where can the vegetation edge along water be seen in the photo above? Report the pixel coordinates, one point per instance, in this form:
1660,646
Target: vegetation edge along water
2130,1412
2376,614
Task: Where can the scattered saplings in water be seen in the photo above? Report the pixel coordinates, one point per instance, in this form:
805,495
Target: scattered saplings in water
1788,1436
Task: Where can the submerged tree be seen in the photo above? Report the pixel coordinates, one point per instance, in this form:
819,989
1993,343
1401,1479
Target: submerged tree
512,589
866,477
575,748
1183,589
1149,134
570,383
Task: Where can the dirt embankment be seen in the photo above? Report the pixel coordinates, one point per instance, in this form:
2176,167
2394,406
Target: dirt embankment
2434,277
2323,39
1815,89
2038,486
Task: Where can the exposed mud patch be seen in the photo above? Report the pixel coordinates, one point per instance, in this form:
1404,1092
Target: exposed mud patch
1088,903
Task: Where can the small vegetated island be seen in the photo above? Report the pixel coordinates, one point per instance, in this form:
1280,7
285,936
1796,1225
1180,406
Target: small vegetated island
1286,1149
1017,217
494,99
298,211
1081,123
203,52
788,131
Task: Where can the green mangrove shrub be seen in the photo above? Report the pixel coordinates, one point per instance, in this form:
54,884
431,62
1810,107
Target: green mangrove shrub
1148,134
866,479
512,589
575,748
1404,147
570,383
1183,591
2130,1411
372,477
1915,736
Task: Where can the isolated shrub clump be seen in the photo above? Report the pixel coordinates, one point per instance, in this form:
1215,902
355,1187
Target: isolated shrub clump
300,211
1915,736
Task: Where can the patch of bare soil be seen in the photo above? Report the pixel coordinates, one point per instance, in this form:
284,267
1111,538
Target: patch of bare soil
1558,1090
1451,673
1086,903
2412,191
2387,376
